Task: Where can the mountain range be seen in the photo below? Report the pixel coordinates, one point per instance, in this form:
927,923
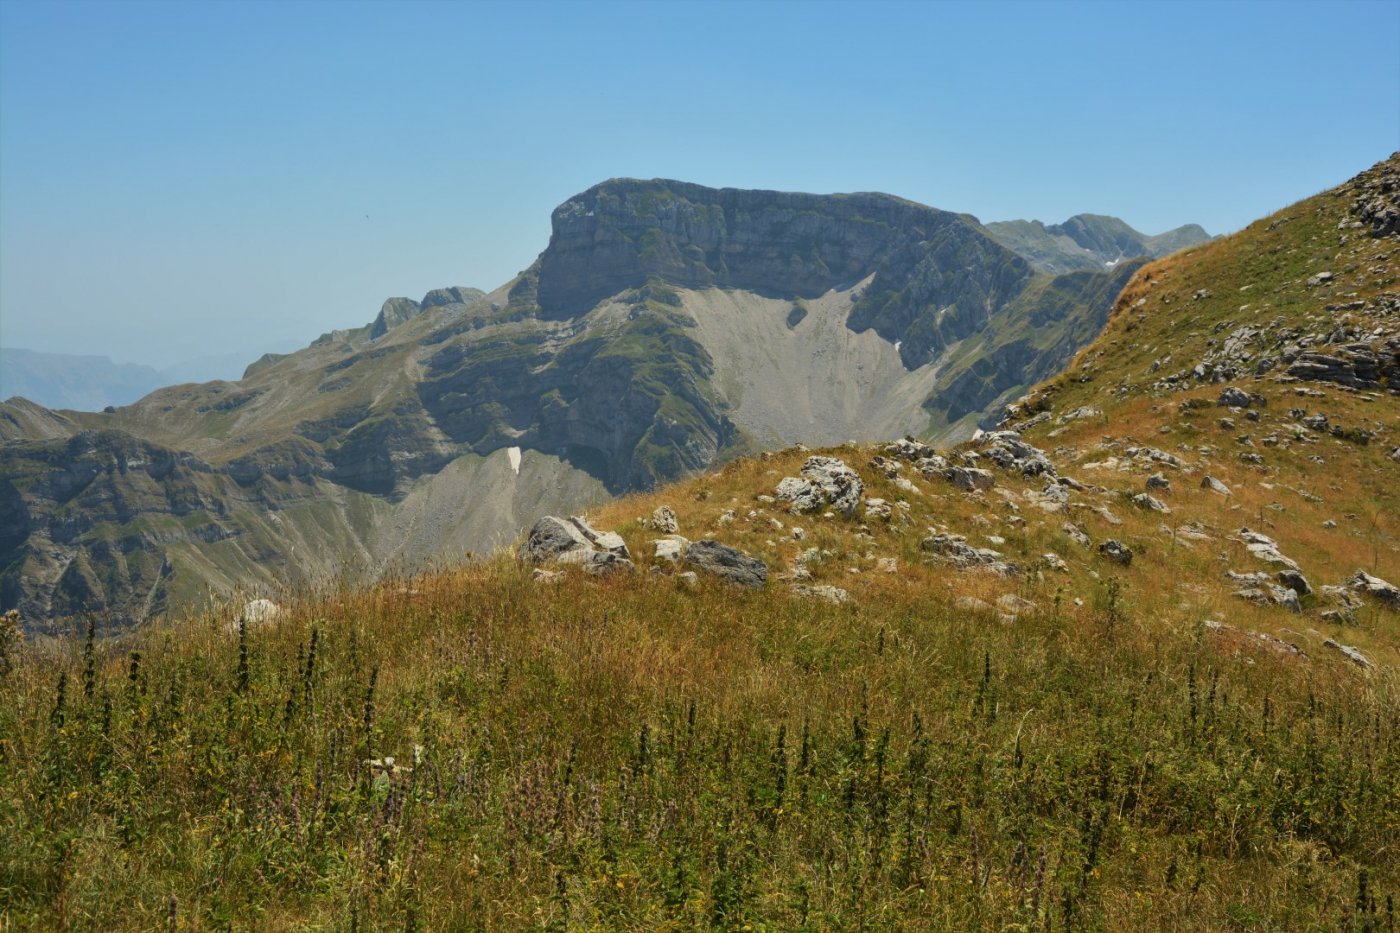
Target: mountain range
666,328
1124,660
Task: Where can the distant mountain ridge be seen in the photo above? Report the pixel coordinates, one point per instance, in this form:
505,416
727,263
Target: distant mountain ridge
1088,241
85,383
666,328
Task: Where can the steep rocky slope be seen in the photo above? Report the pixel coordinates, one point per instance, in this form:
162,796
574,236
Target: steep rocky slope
1088,241
666,328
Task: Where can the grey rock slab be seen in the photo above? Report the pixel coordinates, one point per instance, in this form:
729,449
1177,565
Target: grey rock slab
1214,485
954,549
609,541
1375,587
832,594
1350,653
727,563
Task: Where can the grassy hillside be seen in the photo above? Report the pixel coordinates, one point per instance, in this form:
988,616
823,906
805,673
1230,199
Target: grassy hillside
638,753
1084,744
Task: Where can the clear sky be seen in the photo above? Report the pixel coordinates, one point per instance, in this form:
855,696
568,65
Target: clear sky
185,179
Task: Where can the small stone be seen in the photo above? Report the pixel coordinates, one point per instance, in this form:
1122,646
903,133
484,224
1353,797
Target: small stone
1214,485
832,594
1158,481
1077,535
1012,605
540,575
1143,500
887,565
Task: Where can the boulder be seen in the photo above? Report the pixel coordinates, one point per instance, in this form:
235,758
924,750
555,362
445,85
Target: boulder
1271,594
1234,398
970,478
671,547
931,466
908,449
1295,581
554,538
1143,500
1158,481
663,520
1375,587
727,563
841,486
1117,552
1266,549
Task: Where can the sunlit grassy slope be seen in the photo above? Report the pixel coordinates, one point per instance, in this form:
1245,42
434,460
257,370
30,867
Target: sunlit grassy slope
639,753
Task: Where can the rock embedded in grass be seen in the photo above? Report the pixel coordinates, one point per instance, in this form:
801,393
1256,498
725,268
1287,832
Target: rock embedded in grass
1375,587
1117,552
727,563
832,594
970,479
1214,485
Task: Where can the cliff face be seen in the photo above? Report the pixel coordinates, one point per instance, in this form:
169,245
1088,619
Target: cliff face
666,328
622,233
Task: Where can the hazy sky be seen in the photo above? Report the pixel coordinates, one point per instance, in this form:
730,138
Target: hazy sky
186,179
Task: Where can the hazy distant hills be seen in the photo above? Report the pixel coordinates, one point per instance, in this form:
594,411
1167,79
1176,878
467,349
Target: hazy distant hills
62,380
667,328
91,383
1088,241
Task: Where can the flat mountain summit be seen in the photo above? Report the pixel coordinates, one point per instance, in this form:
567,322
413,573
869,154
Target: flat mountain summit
665,329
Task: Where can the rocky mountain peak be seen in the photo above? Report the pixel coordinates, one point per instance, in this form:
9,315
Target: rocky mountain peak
619,234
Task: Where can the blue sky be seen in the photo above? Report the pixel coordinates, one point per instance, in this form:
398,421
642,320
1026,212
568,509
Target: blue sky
185,179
